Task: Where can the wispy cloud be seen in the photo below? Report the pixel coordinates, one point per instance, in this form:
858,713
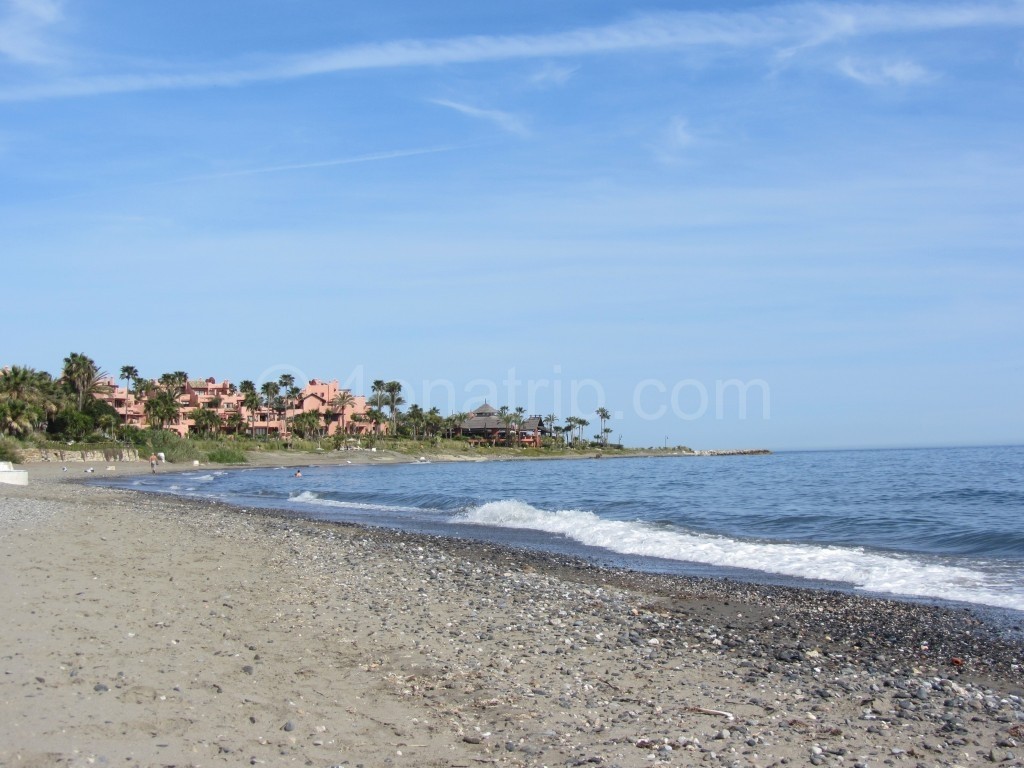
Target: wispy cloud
504,120
390,155
553,75
784,30
884,72
675,140
22,31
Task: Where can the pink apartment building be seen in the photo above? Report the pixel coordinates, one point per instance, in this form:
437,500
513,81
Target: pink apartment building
224,399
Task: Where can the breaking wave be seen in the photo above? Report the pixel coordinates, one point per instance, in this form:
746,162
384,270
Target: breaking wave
875,572
314,499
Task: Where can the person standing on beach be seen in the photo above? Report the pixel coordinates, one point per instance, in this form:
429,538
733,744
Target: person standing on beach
152,462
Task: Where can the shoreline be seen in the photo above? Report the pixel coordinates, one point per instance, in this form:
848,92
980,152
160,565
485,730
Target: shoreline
169,631
1010,621
46,457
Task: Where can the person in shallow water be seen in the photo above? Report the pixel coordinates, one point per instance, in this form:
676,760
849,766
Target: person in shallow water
298,473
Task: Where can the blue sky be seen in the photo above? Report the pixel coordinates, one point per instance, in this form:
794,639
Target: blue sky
733,225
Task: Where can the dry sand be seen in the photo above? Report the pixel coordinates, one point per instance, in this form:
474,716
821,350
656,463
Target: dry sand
151,631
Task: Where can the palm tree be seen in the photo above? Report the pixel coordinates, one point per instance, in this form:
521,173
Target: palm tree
341,402
251,403
144,389
20,383
308,424
376,417
305,423
235,422
174,382
505,417
280,407
292,396
569,430
158,406
82,376
130,374
269,390
432,423
603,415
560,431
33,389
161,408
287,383
455,422
378,393
574,426
17,417
517,422
205,420
378,398
415,419
551,420
107,422
394,393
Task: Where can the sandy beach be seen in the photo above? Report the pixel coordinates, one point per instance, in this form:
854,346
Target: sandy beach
152,631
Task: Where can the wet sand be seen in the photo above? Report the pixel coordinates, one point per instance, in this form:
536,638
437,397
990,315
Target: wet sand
146,630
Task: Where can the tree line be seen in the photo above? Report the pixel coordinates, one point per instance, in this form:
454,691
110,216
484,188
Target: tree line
34,402
66,407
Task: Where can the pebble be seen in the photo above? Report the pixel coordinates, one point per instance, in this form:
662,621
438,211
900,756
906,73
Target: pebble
561,660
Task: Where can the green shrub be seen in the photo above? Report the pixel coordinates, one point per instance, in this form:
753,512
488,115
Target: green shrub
174,448
132,435
227,455
183,451
69,424
9,451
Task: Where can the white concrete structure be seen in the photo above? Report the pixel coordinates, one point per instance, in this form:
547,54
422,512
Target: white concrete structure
12,476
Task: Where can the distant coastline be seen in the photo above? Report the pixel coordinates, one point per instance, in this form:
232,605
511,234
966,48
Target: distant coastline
110,460
189,419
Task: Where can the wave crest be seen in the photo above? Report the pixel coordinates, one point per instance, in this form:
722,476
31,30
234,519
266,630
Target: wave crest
869,571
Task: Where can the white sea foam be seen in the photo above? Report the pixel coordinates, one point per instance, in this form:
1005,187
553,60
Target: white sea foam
309,497
870,571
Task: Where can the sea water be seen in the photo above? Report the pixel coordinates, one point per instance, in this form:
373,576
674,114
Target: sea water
933,524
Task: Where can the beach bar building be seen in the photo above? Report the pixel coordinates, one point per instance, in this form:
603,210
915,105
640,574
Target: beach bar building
489,426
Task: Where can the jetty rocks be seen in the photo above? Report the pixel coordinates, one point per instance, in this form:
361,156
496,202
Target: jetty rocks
734,452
